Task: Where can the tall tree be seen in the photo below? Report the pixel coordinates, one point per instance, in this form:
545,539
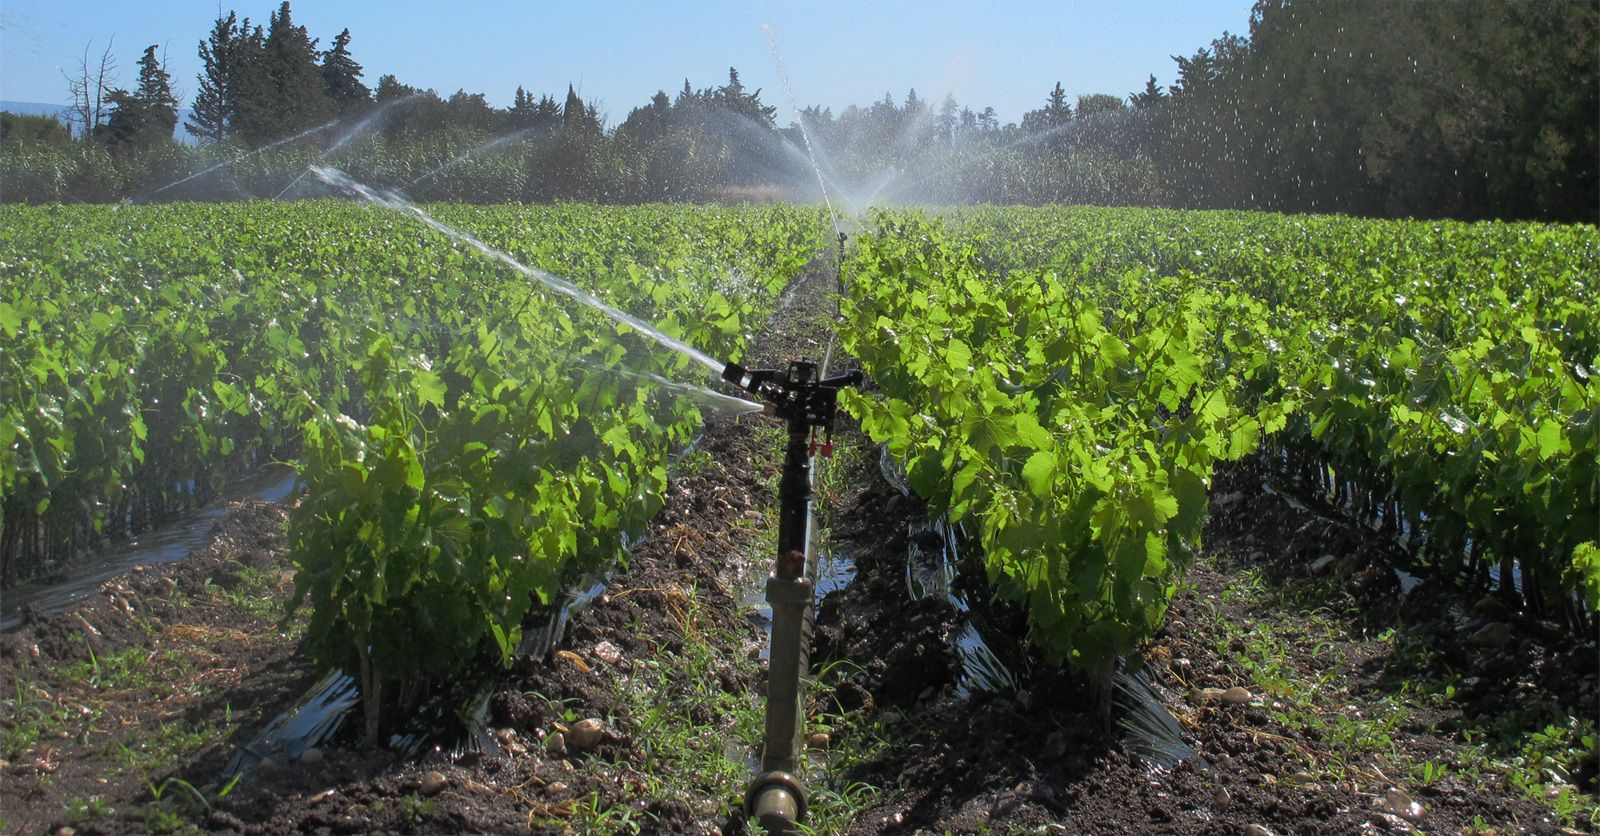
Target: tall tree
1055,113
295,85
733,97
146,116
341,78
249,88
1099,104
211,112
1149,97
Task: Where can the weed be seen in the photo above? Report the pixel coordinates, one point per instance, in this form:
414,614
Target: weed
177,805
82,809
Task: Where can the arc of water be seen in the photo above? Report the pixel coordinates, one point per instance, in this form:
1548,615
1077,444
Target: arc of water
706,397
240,157
493,143
783,75
338,179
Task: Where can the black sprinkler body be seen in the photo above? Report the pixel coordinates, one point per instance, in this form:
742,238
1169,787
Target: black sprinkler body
808,405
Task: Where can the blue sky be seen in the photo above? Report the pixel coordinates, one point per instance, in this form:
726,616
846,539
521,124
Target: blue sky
1004,54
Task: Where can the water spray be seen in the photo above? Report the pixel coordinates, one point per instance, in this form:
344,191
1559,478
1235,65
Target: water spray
338,179
243,156
796,395
799,118
515,136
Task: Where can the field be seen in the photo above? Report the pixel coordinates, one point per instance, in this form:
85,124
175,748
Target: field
1284,522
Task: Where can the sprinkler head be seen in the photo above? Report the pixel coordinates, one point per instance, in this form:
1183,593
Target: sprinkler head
794,394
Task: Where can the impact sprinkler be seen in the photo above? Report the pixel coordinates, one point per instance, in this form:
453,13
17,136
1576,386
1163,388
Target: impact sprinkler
776,797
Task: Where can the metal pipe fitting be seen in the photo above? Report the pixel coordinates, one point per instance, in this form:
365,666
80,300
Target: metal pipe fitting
777,801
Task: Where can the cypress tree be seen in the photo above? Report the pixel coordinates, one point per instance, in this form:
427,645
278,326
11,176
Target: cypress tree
147,115
294,80
341,78
211,112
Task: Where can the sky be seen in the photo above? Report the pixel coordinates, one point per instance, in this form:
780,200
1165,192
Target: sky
1000,53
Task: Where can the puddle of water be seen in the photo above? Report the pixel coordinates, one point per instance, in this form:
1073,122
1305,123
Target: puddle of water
167,544
833,573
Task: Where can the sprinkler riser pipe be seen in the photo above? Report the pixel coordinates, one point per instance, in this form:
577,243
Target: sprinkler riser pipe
790,599
794,492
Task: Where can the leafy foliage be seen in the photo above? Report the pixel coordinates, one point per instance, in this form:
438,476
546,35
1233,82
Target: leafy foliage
1068,378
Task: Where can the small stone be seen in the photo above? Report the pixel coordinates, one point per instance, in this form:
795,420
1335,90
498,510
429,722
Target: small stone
311,756
1554,791
1322,564
433,783
754,653
556,787
1303,777
1490,606
1398,802
1220,797
586,734
556,744
267,766
323,796
88,629
817,740
65,831
608,653
1258,830
1494,635
575,659
1236,696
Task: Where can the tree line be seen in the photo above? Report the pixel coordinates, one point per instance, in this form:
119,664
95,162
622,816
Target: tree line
1468,109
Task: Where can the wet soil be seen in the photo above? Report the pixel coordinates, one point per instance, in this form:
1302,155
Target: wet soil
121,712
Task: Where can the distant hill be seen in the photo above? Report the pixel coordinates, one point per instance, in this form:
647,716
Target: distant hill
34,108
59,111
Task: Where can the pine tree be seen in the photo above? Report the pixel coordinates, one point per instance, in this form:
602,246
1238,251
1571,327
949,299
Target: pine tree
249,91
578,117
1055,113
146,116
297,100
732,96
211,117
1149,97
341,78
